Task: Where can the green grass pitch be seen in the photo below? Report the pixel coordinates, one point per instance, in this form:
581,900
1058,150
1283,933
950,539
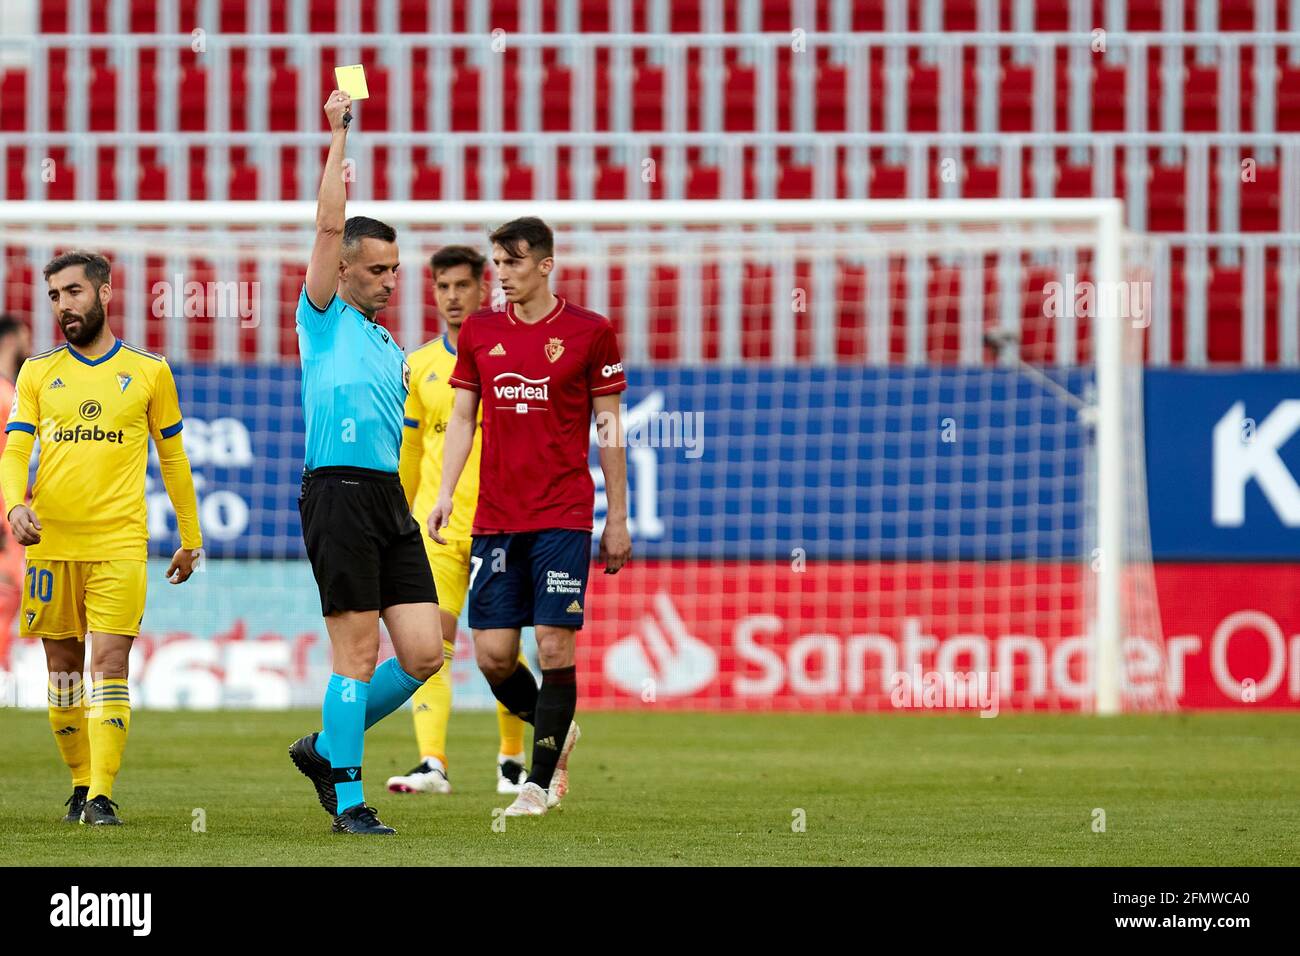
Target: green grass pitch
679,788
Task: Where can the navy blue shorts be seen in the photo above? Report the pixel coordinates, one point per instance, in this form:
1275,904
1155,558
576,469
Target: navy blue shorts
529,577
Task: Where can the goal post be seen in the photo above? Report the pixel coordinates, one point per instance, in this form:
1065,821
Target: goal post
930,294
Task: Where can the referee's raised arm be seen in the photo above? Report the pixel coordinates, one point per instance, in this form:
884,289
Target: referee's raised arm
323,267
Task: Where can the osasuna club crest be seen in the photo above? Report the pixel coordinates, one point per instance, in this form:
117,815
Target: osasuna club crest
554,349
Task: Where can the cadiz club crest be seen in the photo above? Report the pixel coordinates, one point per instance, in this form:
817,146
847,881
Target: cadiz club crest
554,349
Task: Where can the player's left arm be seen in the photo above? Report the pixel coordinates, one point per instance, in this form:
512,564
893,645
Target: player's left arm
165,426
615,541
606,380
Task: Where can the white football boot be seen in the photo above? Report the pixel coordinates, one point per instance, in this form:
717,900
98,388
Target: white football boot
531,802
428,776
510,774
560,779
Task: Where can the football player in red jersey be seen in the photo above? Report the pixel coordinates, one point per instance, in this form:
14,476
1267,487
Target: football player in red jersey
540,367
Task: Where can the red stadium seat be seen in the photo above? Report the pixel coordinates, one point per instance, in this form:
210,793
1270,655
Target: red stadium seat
888,182
1073,182
1261,201
13,90
1166,198
1288,99
922,98
980,182
1223,318
1108,85
1201,99
1016,98
832,97
611,182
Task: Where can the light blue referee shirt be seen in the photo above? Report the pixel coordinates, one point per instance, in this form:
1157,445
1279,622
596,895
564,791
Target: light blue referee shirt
354,382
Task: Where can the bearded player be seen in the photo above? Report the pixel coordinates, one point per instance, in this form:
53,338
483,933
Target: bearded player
540,367
96,401
458,290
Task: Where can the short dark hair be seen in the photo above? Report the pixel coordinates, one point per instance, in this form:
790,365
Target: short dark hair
530,229
363,227
451,256
10,325
97,268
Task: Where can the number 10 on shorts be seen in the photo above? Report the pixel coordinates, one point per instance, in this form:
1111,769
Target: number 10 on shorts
42,584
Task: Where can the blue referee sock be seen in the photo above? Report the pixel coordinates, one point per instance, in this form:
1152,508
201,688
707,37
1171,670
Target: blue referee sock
390,688
343,716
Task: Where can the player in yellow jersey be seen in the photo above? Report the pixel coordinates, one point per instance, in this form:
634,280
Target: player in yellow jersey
93,402
458,291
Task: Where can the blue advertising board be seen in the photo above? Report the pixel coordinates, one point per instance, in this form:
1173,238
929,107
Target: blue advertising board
746,463
1223,462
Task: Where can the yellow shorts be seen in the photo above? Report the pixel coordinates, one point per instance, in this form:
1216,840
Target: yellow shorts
450,565
63,599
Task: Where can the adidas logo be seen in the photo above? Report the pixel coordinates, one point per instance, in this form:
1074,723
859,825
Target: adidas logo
575,607
547,742
57,383
498,349
66,731
117,722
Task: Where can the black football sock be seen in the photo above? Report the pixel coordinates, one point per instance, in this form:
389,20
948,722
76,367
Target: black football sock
556,702
518,693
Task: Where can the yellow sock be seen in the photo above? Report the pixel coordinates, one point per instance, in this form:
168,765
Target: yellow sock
68,721
109,717
511,727
432,709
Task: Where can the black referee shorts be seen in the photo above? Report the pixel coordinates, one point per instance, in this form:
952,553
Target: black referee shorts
365,548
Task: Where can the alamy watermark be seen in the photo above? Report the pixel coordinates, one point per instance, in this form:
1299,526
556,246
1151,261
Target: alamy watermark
207,300
945,690
1081,299
653,429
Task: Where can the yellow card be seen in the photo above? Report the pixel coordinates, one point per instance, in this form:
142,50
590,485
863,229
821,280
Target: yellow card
352,81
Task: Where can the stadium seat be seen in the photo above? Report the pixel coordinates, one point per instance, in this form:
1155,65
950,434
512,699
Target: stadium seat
1288,99
1166,198
1223,321
1073,182
1108,84
13,89
1260,201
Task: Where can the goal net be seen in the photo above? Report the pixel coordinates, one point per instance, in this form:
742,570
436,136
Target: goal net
882,455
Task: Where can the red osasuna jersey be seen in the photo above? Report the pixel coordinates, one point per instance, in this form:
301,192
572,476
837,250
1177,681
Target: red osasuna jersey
536,383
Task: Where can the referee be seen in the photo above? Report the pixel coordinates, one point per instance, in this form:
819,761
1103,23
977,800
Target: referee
365,548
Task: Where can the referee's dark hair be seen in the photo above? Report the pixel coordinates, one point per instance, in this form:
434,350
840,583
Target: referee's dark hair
363,227
530,229
448,257
96,267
